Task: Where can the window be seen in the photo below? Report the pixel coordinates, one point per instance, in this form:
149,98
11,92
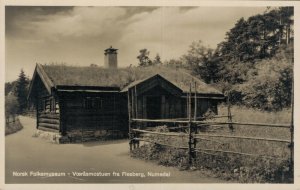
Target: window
92,103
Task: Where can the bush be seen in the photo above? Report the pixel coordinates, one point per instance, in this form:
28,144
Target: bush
11,106
13,127
268,85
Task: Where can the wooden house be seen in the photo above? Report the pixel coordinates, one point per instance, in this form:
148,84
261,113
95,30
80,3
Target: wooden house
88,103
159,98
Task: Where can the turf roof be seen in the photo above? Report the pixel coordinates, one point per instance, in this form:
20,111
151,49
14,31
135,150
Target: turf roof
123,77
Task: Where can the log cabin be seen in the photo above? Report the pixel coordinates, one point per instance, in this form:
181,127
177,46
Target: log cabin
89,103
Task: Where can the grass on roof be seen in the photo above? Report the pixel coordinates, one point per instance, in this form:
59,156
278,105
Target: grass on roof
97,76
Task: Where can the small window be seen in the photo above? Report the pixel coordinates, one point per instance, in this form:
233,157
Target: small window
92,103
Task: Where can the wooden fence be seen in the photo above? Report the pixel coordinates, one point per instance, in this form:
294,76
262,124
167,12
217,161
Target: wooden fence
191,125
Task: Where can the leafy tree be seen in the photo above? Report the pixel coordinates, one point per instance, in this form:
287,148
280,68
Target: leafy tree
250,41
286,22
156,60
200,59
258,37
22,91
143,58
269,87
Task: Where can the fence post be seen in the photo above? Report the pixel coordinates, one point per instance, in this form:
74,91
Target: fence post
135,103
195,98
195,119
129,120
292,133
187,105
136,142
37,110
190,127
230,126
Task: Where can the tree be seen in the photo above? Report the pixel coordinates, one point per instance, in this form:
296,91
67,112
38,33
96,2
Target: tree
22,91
286,22
252,40
157,60
200,59
269,87
143,58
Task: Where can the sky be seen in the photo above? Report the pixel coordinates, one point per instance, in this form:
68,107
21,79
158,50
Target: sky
79,35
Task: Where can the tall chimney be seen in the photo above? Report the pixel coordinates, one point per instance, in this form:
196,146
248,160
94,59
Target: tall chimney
110,59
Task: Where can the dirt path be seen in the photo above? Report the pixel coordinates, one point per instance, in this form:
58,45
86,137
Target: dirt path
25,153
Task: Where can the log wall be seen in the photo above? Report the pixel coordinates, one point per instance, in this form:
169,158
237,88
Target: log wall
88,115
47,108
203,106
48,118
171,106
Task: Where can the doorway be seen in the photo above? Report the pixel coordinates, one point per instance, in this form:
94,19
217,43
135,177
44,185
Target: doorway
154,107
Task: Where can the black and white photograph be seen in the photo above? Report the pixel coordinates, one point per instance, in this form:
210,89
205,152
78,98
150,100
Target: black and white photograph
139,94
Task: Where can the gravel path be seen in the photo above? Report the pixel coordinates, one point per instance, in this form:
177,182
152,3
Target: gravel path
26,154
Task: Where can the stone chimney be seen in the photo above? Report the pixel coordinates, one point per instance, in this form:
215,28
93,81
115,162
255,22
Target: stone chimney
110,59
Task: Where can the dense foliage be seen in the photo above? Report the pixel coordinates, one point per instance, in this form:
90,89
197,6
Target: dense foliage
269,84
254,64
16,95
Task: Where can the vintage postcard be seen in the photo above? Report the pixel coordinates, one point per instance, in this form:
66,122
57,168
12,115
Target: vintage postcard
165,94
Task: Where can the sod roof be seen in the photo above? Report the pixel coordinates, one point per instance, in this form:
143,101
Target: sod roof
123,78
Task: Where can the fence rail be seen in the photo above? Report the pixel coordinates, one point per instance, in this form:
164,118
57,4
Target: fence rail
160,143
191,126
242,137
198,136
211,123
239,153
160,133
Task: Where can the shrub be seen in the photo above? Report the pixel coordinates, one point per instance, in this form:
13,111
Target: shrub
11,106
13,127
